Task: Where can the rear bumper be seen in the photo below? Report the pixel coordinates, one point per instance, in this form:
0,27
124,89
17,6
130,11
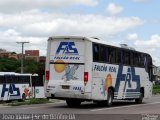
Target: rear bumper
75,90
70,95
65,95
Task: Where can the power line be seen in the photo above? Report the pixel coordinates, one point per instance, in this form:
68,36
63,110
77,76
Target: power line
22,57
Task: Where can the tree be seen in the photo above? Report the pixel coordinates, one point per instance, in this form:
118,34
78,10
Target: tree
13,65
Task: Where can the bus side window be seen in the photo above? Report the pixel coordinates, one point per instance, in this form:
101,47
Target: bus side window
21,79
16,78
25,79
150,71
28,81
95,52
139,60
136,59
112,55
142,60
33,80
7,78
131,58
12,77
146,63
119,56
103,54
126,57
37,81
2,79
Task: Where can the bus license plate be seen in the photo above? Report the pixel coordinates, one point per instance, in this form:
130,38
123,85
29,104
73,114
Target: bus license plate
65,87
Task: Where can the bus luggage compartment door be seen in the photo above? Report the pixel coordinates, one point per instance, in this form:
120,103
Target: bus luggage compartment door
98,89
67,77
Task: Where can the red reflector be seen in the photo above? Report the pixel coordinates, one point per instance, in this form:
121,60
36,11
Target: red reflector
47,75
85,77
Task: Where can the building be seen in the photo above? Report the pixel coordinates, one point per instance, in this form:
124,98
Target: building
42,59
32,55
13,55
4,54
29,55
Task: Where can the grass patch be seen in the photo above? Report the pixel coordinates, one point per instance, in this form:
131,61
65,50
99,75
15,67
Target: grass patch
29,102
38,101
156,89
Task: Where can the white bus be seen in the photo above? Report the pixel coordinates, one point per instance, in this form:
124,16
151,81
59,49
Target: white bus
88,69
15,86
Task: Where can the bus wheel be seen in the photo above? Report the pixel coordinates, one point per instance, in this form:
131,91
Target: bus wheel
73,102
110,97
140,99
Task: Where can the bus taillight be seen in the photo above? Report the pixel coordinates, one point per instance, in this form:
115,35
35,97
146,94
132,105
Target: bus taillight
47,75
85,78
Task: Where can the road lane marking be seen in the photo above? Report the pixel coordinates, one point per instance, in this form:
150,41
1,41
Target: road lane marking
93,110
32,107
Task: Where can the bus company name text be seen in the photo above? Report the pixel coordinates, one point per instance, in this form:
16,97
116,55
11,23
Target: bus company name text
66,58
104,68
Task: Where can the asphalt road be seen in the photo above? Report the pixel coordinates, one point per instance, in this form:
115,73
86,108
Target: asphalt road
149,110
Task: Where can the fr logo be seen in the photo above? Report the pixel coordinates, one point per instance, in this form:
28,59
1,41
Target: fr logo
128,79
11,90
67,48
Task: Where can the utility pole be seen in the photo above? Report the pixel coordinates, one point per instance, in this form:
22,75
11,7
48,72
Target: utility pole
22,57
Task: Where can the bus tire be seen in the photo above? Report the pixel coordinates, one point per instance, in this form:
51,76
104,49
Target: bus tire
140,99
110,98
73,102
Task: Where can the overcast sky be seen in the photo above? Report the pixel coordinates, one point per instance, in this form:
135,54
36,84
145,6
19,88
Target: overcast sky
134,22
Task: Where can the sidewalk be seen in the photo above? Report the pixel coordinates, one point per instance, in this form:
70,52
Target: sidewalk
156,95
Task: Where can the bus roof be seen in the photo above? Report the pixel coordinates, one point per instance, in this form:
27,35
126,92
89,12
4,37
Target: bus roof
3,73
13,73
93,39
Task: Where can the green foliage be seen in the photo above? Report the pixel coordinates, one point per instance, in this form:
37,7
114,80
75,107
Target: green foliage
8,65
12,65
30,101
156,86
156,89
38,101
30,67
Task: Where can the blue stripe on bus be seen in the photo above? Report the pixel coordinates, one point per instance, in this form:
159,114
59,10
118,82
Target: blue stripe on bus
128,78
